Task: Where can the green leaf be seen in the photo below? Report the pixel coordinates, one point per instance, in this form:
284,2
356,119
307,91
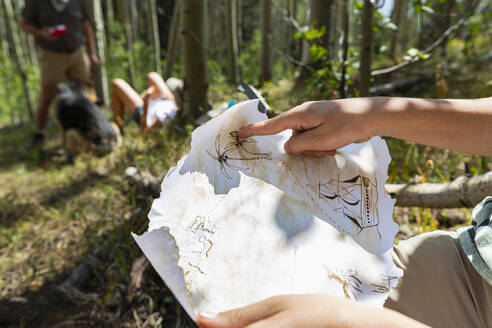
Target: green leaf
317,52
314,33
391,26
413,52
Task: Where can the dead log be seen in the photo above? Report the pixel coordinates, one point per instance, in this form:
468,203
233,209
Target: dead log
462,192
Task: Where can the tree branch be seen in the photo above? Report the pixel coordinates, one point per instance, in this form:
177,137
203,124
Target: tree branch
431,47
462,192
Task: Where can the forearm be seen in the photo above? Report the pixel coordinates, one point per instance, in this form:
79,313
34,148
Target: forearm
368,316
457,124
89,37
26,27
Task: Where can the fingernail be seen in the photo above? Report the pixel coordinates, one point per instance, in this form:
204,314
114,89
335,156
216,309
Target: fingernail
207,315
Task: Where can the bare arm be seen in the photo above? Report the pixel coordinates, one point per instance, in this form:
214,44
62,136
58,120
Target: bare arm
89,41
37,32
323,126
308,311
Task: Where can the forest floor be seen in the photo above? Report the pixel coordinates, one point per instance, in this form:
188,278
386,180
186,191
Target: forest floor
61,219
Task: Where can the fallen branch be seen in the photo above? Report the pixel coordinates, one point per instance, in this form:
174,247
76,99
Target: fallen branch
462,192
81,273
400,85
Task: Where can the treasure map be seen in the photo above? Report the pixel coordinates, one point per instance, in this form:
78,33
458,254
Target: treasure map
239,220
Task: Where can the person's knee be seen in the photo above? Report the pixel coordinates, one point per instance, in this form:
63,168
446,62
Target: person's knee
118,83
152,76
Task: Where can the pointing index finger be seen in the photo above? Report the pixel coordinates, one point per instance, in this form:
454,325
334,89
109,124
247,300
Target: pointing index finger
274,125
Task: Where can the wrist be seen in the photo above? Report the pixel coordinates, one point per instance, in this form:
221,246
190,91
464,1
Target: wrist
386,115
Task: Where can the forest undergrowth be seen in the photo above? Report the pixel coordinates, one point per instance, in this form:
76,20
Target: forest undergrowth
57,214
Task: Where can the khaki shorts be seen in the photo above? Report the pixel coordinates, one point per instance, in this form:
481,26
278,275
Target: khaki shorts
440,287
57,67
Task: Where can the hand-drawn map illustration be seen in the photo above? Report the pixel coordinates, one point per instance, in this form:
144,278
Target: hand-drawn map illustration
355,198
224,156
239,220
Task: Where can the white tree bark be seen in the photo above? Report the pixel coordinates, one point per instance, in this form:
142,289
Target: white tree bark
266,41
127,21
173,40
15,46
101,76
232,43
4,42
154,33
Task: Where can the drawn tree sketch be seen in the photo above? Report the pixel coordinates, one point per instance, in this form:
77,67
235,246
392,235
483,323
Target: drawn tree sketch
355,198
350,281
236,145
204,235
385,285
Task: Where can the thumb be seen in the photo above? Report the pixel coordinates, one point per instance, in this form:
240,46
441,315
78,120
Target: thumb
310,140
240,317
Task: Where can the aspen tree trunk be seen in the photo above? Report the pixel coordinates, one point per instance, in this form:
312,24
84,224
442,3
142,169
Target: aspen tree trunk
297,46
283,27
109,21
398,16
239,25
336,24
266,41
396,19
129,39
305,55
173,39
366,49
290,29
109,13
232,46
213,12
133,17
194,58
11,28
121,11
345,23
28,47
101,76
154,33
205,24
4,43
318,16
32,50
321,11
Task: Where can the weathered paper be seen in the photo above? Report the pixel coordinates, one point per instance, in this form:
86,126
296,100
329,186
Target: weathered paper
244,221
